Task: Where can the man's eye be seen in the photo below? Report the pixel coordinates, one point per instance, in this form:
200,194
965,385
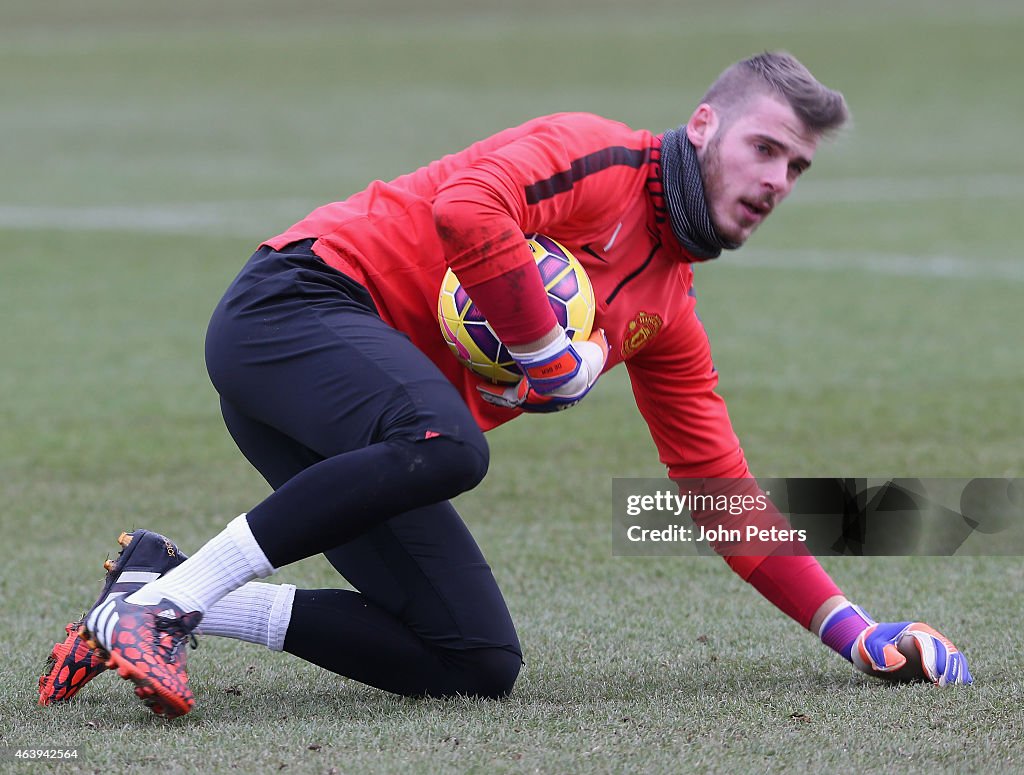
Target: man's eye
762,148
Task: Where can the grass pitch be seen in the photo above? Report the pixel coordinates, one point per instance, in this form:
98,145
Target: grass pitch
872,328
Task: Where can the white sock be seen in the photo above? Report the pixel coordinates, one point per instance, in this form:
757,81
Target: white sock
226,562
256,613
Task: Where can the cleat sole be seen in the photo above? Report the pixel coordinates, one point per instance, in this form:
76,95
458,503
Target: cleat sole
124,541
169,706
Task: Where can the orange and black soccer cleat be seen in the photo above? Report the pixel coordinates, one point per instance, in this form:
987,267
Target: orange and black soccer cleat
70,666
146,644
144,556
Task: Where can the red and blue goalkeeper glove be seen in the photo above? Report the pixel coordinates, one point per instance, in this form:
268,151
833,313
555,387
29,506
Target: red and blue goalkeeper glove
556,377
875,647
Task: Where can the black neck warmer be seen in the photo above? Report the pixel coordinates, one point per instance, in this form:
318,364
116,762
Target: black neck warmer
684,193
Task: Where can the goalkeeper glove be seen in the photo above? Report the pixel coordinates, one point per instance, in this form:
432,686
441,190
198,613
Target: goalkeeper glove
873,647
556,377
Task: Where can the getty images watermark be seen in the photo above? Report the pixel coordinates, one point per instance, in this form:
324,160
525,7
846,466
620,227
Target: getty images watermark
824,517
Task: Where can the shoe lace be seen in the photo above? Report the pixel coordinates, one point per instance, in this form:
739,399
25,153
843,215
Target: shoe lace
178,635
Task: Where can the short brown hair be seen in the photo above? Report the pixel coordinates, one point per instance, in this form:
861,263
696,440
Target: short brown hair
823,111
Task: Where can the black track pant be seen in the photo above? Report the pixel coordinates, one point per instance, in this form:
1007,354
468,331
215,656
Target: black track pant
364,442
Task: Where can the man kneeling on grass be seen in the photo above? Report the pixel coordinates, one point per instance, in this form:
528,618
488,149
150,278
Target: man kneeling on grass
337,385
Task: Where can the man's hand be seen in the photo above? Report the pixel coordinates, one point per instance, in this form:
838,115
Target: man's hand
908,651
556,378
894,651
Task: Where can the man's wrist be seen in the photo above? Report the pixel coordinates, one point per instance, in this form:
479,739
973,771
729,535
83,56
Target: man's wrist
830,605
539,348
841,626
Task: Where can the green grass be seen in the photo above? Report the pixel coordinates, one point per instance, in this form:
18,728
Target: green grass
871,329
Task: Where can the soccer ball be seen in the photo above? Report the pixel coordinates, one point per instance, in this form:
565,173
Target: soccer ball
472,340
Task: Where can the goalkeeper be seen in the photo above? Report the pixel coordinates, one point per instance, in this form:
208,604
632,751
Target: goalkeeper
337,386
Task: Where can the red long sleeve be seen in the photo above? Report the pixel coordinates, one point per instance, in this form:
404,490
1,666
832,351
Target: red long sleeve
797,586
516,304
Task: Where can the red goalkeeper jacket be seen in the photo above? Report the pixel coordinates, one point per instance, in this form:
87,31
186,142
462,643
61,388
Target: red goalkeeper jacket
595,186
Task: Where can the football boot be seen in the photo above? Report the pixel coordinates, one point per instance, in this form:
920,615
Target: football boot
144,556
146,644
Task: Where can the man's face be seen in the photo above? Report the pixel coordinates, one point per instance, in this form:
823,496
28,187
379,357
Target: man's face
751,164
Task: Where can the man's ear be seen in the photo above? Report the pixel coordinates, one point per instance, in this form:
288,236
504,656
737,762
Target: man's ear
702,125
